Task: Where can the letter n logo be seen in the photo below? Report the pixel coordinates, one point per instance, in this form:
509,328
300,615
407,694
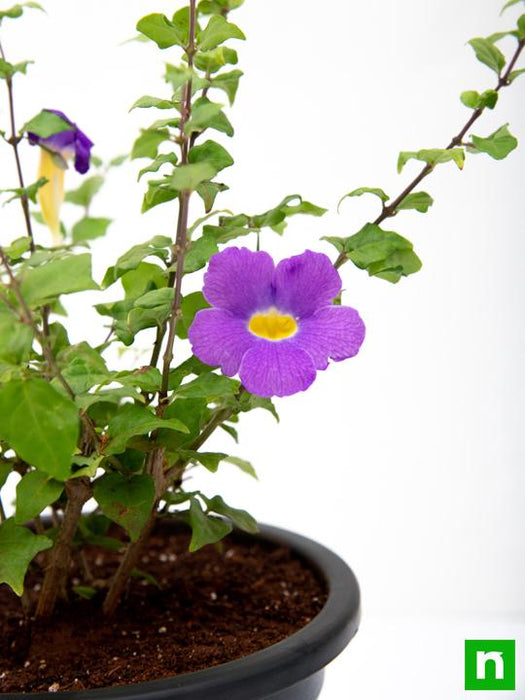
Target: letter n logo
490,664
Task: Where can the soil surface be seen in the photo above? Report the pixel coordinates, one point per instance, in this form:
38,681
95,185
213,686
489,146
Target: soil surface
201,609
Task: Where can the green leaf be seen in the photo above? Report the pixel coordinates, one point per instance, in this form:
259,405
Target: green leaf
213,153
474,100
212,61
147,144
208,191
158,162
229,83
420,201
498,145
17,338
159,29
515,74
7,70
158,194
188,177
199,253
432,157
191,303
365,190
243,465
488,54
16,249
40,424
209,460
248,402
5,471
510,3
384,254
205,528
521,28
89,228
145,378
83,367
132,420
209,386
240,518
127,500
206,114
158,247
45,124
217,31
18,547
34,492
147,101
194,413
86,592
83,195
66,275
30,191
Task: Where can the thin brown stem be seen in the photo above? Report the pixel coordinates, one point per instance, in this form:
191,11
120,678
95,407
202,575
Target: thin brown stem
390,209
14,140
78,491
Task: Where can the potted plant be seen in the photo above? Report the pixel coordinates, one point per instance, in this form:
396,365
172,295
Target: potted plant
116,580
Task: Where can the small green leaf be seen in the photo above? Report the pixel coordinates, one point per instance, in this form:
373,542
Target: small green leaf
515,74
7,70
365,190
217,31
212,61
243,465
127,500
188,177
488,54
86,592
510,3
17,338
521,28
147,144
89,228
29,192
159,29
474,100
45,124
213,153
205,528
228,82
498,145
18,547
206,114
210,386
209,460
83,195
40,424
208,191
147,101
158,162
66,275
34,492
132,420
191,303
158,247
420,201
432,157
240,518
83,367
199,253
158,194
145,378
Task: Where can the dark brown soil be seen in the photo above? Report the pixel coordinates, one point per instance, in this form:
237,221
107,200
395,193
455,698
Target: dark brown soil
213,606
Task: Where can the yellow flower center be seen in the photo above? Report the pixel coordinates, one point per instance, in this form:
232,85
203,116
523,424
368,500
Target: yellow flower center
272,325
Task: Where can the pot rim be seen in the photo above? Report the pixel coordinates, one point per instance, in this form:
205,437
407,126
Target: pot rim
271,669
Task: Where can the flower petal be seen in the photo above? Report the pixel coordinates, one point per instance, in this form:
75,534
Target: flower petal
220,338
305,283
82,152
276,369
239,281
335,332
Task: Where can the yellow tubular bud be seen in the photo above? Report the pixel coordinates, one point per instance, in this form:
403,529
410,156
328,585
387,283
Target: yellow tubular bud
51,195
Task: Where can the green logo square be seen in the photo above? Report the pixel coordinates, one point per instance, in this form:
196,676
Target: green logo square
490,664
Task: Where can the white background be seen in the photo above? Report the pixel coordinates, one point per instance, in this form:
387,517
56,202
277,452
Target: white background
407,460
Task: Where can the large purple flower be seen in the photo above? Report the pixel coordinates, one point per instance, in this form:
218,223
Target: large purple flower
70,143
273,325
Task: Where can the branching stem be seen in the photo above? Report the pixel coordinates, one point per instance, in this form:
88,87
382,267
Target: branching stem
390,210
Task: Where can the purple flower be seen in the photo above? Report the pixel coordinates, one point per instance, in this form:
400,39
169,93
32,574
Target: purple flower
273,325
68,143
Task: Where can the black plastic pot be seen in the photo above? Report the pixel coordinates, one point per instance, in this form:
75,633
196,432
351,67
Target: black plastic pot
290,670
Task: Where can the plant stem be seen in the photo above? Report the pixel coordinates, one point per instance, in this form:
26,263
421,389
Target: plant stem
390,210
155,465
78,491
14,140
